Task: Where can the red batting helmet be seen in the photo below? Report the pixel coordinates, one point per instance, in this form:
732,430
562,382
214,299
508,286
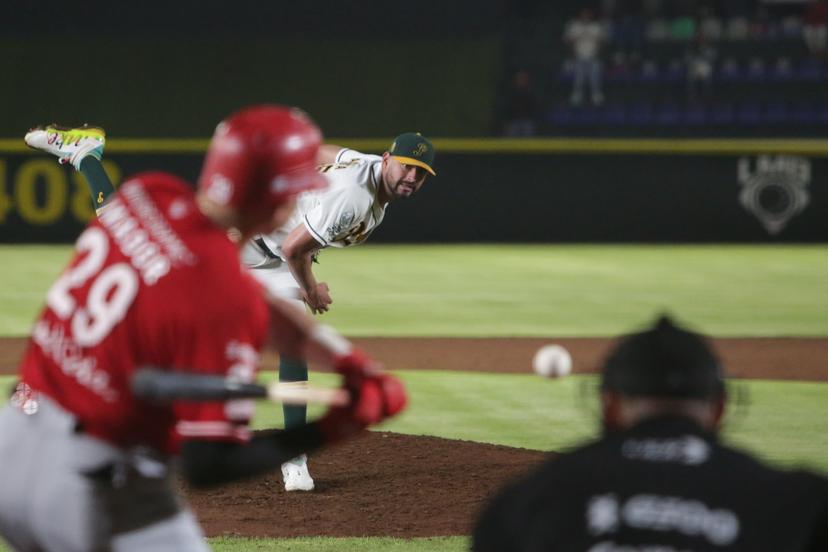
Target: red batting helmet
261,156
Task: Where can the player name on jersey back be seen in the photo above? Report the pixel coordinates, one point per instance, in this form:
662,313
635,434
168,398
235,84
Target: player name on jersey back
152,251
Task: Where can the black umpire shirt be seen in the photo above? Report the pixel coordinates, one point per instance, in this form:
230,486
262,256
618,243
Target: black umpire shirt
663,486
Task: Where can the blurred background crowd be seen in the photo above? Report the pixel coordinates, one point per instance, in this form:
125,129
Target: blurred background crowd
461,68
622,67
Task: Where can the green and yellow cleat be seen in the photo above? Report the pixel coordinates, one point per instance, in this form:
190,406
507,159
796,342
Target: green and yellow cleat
70,145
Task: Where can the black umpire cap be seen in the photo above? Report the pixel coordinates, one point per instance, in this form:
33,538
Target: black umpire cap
664,361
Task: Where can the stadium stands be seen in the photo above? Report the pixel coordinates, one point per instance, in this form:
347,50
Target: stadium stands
763,76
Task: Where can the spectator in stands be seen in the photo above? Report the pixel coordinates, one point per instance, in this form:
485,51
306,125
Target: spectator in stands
763,26
709,25
700,57
815,30
683,28
522,107
585,36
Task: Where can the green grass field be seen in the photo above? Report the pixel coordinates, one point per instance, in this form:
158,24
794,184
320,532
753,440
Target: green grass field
527,290
538,291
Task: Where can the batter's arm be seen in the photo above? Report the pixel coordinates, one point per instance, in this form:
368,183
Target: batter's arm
327,154
373,397
299,248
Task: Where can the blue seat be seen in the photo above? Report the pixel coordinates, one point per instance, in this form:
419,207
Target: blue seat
803,114
649,72
756,71
722,114
749,113
695,114
561,115
588,115
615,114
808,70
782,71
675,71
776,113
566,73
569,116
618,73
730,71
640,114
822,115
628,30
668,114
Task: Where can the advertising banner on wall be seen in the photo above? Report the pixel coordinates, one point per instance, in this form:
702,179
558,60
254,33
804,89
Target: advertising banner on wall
42,201
507,196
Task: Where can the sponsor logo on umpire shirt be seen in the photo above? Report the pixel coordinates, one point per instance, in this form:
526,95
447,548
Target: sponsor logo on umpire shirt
606,514
688,450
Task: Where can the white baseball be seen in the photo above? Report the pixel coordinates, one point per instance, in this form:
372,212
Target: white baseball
552,361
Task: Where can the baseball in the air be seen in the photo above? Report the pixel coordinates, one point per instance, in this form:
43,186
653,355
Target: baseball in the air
552,361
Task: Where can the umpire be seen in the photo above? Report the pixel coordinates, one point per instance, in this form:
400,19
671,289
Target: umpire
658,479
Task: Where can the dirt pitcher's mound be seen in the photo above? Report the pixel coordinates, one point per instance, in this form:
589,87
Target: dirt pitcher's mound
383,484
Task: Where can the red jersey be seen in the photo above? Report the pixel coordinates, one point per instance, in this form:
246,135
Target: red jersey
153,283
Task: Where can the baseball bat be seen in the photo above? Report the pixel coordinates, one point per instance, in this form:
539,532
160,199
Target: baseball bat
162,385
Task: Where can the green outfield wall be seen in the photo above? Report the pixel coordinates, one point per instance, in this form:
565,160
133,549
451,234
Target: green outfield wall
550,191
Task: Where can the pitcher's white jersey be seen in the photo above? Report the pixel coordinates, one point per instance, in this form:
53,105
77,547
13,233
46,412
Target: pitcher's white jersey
343,214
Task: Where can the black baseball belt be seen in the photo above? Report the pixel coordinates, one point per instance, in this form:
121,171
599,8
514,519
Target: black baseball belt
266,251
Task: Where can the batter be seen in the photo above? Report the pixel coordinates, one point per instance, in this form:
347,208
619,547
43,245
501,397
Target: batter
155,281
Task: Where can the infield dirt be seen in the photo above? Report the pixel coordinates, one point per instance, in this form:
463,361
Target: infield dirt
387,484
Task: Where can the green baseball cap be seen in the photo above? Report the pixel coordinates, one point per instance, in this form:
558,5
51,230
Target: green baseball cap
412,148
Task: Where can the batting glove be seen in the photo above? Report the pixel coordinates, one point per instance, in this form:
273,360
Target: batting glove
373,399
